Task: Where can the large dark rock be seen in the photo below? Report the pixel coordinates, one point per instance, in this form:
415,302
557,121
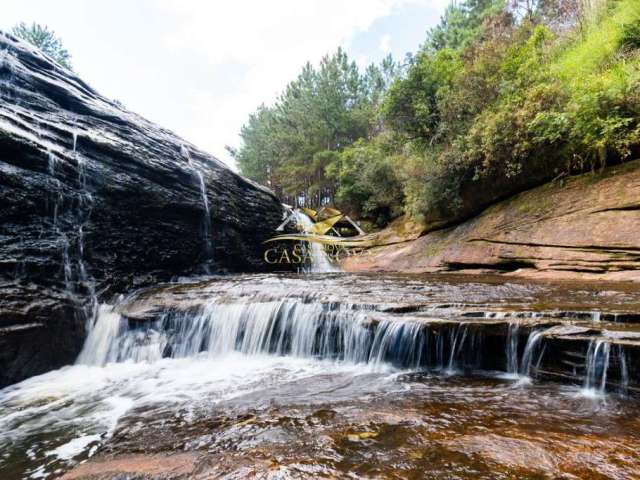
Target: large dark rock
94,198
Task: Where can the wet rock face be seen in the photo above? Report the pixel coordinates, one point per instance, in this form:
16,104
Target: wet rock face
95,198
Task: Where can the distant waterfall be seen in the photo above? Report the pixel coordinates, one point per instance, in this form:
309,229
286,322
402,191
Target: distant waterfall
320,262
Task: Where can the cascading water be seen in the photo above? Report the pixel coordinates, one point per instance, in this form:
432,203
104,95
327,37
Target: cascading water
624,371
457,339
529,355
69,220
81,219
182,354
207,228
57,197
306,330
512,348
320,262
597,366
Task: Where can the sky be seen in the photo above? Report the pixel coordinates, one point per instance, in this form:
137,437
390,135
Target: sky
200,67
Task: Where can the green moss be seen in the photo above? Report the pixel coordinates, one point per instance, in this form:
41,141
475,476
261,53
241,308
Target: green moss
432,249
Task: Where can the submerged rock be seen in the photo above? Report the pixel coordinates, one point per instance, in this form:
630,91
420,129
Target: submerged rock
94,199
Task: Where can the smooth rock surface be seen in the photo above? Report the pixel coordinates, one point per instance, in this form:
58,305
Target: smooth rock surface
583,227
94,198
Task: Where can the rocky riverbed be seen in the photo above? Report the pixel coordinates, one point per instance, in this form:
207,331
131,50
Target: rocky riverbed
331,375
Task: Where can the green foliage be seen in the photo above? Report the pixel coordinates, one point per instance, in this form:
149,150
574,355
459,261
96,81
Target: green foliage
502,97
432,185
524,106
461,24
630,37
368,183
46,40
326,109
411,106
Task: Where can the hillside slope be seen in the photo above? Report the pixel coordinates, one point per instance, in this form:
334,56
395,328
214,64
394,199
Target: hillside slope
584,227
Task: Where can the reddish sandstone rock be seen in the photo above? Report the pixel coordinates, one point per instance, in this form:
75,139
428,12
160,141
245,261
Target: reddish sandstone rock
584,227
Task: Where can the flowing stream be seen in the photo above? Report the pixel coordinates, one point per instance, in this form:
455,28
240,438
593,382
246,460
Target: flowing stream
330,376
207,227
320,262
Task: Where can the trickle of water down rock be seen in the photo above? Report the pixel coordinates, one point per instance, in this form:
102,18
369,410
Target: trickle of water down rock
94,201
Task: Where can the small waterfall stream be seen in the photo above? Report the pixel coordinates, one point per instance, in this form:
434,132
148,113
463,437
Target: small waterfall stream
320,262
597,364
521,369
624,371
529,355
457,340
69,219
207,228
512,348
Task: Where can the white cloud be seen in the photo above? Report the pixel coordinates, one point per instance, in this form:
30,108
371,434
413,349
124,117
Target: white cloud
385,43
274,39
200,67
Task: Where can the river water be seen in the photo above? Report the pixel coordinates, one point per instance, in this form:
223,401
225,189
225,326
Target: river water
336,376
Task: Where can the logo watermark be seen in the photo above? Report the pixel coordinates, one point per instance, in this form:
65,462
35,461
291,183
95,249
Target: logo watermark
301,253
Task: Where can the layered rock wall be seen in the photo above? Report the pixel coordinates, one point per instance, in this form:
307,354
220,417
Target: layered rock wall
583,227
95,200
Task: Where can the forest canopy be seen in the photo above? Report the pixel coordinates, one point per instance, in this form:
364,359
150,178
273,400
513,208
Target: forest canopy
500,97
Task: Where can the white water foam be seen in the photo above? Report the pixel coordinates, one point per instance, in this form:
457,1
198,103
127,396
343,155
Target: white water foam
320,262
77,408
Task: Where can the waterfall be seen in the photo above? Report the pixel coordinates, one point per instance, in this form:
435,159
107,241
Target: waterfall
81,218
597,365
320,262
624,371
457,338
57,196
206,223
207,229
102,337
51,163
529,353
325,331
512,348
68,221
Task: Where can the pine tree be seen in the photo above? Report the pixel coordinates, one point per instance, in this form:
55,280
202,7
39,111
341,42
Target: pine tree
46,40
